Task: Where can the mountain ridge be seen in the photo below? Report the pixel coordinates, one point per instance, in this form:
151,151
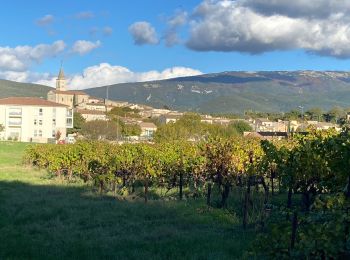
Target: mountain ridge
18,89
223,92
237,91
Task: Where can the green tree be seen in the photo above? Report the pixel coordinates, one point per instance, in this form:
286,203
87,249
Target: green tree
294,114
335,114
78,123
131,130
99,129
240,126
314,113
124,112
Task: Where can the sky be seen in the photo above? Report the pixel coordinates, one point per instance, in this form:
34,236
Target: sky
107,42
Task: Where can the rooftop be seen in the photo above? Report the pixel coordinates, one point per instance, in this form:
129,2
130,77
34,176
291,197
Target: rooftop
147,125
69,92
29,101
90,112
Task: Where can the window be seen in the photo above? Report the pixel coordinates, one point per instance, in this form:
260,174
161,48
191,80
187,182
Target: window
54,122
54,112
40,111
62,99
16,121
69,122
35,133
15,111
35,121
53,133
69,113
40,122
40,133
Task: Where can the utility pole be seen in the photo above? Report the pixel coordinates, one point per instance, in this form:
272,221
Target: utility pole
302,112
107,89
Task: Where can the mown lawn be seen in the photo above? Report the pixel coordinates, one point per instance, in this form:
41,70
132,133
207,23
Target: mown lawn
46,218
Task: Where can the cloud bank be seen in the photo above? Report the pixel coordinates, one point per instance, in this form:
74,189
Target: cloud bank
106,74
321,27
21,57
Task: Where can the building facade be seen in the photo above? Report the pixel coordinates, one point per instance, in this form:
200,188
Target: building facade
147,129
91,115
29,119
66,97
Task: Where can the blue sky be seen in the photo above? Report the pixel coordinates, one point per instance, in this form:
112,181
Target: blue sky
132,39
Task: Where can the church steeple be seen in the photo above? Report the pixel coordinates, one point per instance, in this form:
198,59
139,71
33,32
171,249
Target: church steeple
61,81
61,74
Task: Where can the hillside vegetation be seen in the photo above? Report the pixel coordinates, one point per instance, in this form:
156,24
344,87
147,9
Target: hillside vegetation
11,88
236,92
226,92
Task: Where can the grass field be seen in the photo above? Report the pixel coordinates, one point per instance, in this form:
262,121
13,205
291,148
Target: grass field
45,218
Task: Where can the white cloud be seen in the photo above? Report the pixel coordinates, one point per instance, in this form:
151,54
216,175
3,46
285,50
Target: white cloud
83,47
143,33
85,15
171,35
257,26
179,19
21,57
107,31
299,8
106,74
45,20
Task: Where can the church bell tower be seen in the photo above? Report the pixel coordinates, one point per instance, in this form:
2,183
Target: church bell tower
61,81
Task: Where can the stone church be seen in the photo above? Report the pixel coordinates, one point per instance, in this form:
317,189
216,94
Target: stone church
91,108
61,95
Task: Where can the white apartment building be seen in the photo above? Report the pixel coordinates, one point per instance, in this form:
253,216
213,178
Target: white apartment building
30,119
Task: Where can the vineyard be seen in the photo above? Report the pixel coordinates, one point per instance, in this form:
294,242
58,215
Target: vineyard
295,193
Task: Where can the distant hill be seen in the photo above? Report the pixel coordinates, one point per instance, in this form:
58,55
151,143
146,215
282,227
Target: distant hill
11,88
226,92
238,91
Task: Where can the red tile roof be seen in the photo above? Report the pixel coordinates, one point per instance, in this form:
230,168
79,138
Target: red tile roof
29,101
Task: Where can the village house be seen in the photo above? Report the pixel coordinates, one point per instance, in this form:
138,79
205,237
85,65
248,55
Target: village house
91,115
223,121
116,103
147,129
95,106
269,135
166,119
265,125
207,119
326,126
29,119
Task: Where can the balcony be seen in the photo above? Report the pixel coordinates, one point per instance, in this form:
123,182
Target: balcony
14,122
15,112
